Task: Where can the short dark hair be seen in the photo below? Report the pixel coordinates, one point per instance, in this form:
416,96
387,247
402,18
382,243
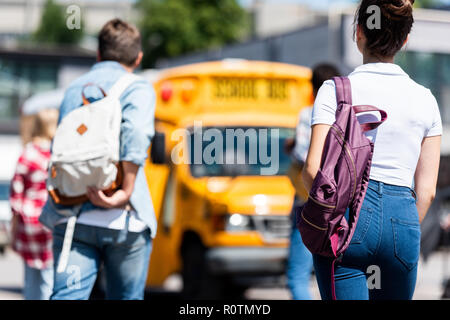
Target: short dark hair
321,73
396,19
119,41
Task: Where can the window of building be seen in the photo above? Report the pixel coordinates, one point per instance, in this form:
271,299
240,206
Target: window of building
19,79
431,70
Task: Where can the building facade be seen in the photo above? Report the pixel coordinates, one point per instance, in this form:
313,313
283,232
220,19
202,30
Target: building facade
22,17
27,71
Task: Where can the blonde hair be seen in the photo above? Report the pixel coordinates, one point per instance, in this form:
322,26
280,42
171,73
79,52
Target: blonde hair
45,122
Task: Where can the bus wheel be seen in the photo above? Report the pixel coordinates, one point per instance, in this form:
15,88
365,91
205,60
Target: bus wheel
198,283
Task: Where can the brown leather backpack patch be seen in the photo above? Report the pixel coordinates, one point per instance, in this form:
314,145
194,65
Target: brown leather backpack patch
82,129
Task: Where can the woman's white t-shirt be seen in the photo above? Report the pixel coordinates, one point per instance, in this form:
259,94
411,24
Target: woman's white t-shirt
412,111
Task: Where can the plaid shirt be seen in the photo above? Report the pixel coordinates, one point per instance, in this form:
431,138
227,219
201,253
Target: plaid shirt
28,195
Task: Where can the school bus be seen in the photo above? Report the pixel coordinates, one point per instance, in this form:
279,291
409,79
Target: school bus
223,225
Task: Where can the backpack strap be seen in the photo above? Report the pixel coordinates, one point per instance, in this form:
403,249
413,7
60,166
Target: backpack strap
343,90
90,84
367,126
67,244
344,96
122,84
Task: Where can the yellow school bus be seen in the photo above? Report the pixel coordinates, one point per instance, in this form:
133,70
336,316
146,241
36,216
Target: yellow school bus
219,188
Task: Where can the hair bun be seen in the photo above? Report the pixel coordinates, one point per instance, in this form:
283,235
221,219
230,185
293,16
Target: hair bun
397,9
395,24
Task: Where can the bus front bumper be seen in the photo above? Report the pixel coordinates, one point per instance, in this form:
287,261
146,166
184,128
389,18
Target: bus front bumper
247,260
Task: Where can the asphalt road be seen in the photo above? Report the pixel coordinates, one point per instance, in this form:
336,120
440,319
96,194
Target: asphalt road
429,282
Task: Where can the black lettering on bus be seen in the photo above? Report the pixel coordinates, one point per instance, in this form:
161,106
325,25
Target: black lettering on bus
277,89
235,88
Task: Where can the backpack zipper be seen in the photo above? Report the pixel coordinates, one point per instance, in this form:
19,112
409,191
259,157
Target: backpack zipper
312,224
320,203
351,159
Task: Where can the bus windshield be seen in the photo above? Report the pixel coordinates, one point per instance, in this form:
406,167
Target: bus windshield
239,151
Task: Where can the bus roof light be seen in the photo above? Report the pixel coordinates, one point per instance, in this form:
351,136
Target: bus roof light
166,91
187,91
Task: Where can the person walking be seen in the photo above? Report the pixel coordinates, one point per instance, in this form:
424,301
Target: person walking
114,230
300,263
30,239
404,169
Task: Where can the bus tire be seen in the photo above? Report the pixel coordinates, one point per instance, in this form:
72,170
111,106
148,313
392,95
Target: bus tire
198,282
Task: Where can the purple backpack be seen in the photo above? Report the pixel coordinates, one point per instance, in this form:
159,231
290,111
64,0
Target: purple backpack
341,181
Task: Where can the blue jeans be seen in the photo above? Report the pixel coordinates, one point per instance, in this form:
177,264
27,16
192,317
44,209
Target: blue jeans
125,263
299,265
38,283
381,261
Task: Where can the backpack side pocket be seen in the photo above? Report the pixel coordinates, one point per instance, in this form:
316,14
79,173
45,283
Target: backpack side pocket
313,220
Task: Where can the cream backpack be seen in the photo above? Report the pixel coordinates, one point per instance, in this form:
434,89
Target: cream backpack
85,150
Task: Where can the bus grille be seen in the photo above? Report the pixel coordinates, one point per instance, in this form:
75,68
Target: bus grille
273,228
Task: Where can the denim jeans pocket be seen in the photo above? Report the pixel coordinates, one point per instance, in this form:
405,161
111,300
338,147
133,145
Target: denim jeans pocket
132,240
362,226
406,242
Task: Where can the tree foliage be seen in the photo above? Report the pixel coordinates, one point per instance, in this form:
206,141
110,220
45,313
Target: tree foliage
53,29
426,3
173,27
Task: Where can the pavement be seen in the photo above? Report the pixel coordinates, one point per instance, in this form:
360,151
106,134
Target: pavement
11,276
431,275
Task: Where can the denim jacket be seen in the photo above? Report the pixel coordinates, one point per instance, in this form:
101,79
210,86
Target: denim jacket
136,131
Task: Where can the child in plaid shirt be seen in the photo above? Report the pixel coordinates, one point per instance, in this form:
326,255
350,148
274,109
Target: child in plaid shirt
28,195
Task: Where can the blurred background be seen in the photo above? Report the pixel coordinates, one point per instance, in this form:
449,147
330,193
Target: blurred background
45,44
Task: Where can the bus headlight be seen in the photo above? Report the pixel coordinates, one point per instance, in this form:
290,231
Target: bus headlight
238,222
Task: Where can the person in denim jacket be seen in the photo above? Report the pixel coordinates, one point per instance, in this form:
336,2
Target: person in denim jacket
115,231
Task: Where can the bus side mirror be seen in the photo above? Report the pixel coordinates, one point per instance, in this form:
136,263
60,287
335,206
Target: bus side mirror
158,148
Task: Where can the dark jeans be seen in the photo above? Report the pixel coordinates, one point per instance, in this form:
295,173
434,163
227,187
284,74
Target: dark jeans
381,261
